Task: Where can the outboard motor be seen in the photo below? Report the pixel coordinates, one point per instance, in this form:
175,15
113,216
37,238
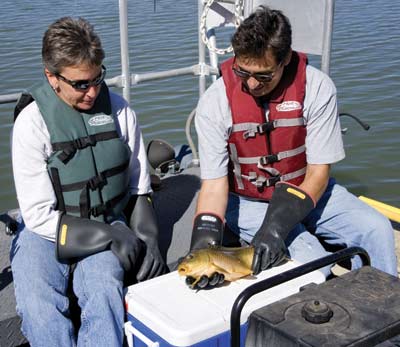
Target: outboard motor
161,156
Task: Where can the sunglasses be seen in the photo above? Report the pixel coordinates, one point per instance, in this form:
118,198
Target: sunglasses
260,77
84,85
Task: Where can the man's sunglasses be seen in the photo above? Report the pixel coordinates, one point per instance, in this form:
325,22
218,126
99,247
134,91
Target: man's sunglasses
260,77
83,85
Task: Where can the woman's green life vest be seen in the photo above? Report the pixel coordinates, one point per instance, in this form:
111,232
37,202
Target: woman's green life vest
89,164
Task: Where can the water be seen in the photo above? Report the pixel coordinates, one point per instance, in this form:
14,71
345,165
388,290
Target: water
365,67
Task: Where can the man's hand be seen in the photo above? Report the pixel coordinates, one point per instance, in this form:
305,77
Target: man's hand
205,282
289,205
269,250
207,231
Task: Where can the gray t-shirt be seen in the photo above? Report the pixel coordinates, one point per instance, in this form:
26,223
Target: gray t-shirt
213,123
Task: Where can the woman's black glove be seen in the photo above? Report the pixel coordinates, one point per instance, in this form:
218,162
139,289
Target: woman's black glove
142,220
80,237
289,205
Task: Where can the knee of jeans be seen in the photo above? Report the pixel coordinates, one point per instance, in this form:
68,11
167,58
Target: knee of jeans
378,227
40,309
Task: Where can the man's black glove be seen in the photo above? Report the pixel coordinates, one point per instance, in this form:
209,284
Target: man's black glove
289,205
80,237
142,220
207,231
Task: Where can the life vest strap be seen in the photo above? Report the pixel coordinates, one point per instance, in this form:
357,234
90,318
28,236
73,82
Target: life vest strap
261,181
97,210
269,159
69,148
252,129
96,182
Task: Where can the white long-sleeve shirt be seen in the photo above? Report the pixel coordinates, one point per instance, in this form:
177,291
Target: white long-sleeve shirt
31,148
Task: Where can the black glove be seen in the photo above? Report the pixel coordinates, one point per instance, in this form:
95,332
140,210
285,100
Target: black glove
289,205
80,237
142,220
214,280
207,231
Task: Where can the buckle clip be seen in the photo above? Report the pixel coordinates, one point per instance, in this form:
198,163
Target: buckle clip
265,127
262,181
269,159
98,181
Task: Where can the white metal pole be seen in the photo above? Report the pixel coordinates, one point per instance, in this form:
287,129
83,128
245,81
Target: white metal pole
123,28
202,52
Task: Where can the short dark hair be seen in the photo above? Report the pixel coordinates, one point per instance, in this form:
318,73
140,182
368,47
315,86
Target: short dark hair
69,42
265,29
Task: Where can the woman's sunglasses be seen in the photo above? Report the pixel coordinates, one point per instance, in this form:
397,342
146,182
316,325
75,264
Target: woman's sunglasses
83,85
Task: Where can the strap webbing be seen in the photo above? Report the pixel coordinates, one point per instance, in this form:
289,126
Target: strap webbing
96,181
69,148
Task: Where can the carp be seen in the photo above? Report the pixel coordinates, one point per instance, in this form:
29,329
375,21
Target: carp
232,262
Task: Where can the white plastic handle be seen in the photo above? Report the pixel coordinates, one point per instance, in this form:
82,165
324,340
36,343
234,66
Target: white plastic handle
130,330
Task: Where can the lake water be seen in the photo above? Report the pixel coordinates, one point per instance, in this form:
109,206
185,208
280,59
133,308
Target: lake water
365,67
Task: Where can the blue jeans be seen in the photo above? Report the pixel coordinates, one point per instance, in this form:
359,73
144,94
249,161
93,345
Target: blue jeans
339,219
41,285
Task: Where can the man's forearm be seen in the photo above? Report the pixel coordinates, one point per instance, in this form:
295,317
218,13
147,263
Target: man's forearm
213,197
316,180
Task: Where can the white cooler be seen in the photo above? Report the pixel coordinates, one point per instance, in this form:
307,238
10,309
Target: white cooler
164,312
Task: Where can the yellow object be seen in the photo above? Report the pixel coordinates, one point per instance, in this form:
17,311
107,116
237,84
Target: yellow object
233,263
297,193
63,237
393,213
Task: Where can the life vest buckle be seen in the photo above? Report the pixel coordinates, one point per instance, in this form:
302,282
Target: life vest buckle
97,182
272,181
249,133
265,127
262,181
268,159
84,142
98,210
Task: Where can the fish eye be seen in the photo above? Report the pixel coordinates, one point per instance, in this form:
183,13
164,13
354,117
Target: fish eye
189,256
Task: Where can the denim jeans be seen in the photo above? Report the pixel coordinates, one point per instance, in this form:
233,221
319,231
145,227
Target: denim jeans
40,288
339,219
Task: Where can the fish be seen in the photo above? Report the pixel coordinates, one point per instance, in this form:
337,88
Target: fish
232,262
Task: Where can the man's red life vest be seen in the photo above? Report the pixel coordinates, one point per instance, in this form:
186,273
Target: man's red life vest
267,147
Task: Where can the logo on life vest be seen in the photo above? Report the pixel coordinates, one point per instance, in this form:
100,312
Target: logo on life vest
100,120
287,106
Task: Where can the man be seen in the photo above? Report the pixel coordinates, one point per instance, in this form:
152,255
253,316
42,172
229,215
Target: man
268,132
80,172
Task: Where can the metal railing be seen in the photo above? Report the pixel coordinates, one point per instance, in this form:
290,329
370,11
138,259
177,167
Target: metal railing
122,81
